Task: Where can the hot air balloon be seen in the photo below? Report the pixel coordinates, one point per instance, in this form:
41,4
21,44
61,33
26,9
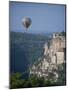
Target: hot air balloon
26,22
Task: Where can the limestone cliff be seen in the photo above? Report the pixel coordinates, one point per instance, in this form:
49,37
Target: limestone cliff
53,57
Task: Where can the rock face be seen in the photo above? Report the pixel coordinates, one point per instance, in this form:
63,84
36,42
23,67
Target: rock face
54,55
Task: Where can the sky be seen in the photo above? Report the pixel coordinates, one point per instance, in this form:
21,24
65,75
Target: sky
45,18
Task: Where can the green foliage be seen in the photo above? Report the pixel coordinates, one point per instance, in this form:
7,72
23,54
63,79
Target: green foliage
33,81
15,80
63,33
62,74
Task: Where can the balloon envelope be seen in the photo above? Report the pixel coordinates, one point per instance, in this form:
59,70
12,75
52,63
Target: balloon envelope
26,22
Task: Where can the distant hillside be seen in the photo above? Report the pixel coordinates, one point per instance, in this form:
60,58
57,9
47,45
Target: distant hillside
25,49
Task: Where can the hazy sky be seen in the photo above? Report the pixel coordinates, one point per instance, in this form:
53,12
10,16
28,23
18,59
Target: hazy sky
45,17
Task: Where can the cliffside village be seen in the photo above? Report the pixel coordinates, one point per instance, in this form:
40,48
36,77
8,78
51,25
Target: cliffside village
54,55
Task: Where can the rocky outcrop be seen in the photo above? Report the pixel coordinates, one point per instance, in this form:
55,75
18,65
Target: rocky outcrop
53,57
